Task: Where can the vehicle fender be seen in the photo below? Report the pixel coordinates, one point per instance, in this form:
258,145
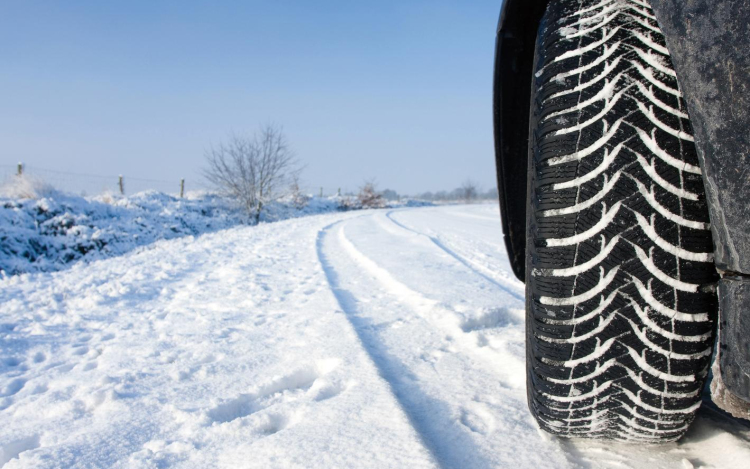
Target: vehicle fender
710,46
514,61
731,368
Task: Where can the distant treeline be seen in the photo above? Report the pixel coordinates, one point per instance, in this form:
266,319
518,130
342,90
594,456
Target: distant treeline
468,192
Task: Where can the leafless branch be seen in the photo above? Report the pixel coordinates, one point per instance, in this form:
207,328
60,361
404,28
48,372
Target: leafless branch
254,170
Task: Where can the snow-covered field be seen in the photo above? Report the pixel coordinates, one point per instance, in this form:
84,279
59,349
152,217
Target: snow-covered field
388,338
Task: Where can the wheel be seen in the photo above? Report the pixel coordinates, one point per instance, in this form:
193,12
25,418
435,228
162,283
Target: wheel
620,305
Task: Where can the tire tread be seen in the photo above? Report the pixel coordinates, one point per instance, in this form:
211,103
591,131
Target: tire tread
609,127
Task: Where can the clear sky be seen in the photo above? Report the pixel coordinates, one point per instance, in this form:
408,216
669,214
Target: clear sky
397,90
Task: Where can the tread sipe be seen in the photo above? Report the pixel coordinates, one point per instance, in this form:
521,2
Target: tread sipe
620,269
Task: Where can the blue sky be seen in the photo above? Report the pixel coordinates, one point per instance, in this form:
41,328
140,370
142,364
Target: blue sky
399,91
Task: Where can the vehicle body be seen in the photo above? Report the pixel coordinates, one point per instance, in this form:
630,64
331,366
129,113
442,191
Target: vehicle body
708,42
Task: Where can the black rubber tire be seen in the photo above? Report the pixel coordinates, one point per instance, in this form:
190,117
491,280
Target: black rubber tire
620,305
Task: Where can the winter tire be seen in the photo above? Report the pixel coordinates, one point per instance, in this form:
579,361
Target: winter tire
619,270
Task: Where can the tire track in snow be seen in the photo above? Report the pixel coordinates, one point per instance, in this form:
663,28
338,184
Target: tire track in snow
450,445
471,265
438,372
439,316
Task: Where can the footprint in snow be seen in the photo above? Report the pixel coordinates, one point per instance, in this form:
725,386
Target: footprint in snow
326,390
476,417
90,366
492,318
40,388
233,409
284,389
11,362
13,449
64,368
275,422
13,387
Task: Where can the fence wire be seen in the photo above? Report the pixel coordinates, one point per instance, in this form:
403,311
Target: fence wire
95,184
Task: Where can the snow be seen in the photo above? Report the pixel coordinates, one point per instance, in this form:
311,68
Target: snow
379,338
44,230
53,230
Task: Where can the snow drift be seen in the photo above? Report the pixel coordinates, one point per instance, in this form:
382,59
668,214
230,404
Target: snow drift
42,229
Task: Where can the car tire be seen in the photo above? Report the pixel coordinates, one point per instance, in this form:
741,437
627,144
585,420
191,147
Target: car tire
620,274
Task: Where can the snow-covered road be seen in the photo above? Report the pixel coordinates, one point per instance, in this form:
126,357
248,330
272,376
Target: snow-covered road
363,339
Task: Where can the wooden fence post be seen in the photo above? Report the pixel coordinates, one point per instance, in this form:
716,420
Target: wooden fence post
20,168
182,188
122,186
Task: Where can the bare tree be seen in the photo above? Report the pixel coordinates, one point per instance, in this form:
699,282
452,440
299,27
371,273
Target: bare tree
491,194
299,199
253,170
390,195
369,197
468,191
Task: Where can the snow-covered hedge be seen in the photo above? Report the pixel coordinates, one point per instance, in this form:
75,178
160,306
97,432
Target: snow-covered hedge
45,230
55,230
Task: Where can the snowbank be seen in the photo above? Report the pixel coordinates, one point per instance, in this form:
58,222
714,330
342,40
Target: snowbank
55,230
44,230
